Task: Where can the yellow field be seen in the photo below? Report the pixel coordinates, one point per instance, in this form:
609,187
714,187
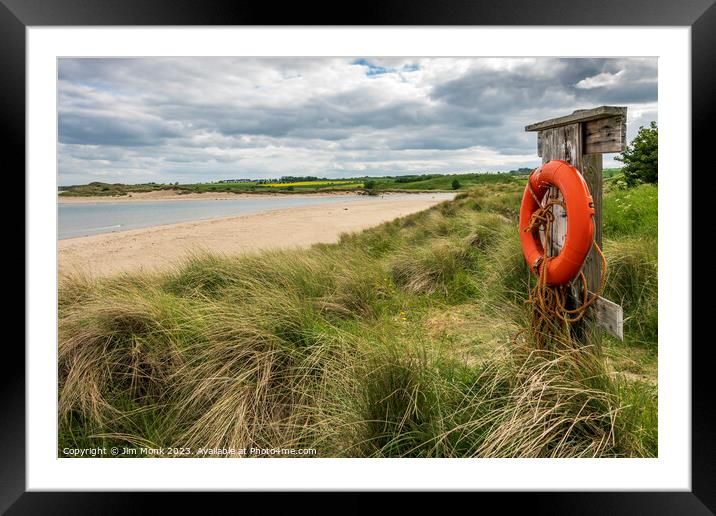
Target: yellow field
310,183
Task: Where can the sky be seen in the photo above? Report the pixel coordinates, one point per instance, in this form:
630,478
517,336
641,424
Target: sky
135,120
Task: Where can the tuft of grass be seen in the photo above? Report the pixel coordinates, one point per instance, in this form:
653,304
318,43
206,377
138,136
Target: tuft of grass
120,345
431,269
541,404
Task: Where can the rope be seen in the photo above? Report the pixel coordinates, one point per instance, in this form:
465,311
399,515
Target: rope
550,316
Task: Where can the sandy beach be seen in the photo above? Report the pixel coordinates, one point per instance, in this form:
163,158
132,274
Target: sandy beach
160,247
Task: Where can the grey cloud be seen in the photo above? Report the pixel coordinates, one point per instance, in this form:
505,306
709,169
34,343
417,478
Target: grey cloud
549,85
205,118
99,129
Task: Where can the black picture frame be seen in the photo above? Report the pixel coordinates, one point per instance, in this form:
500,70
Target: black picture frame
17,15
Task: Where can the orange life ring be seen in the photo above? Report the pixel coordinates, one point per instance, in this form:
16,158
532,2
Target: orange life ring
564,267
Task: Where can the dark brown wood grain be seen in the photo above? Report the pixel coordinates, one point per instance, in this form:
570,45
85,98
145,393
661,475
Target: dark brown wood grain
604,135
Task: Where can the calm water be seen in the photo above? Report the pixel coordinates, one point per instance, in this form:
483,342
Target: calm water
93,218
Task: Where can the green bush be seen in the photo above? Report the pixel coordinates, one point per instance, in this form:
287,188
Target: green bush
641,157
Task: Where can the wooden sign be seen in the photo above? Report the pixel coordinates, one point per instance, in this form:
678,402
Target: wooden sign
609,316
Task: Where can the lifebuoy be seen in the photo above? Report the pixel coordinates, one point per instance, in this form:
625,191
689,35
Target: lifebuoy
564,267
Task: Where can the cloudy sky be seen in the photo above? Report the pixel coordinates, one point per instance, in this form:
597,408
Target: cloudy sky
203,119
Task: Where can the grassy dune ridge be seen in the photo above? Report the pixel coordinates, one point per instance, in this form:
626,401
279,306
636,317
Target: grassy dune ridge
397,341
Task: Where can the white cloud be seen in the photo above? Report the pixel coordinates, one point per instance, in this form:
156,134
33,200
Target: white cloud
202,119
599,81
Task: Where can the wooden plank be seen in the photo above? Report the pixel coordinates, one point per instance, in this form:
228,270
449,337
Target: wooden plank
609,316
539,144
604,135
559,143
591,169
579,116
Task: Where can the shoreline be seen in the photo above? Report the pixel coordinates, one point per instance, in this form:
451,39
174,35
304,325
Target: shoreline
172,195
160,247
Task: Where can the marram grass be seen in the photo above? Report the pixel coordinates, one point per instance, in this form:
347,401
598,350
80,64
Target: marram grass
400,341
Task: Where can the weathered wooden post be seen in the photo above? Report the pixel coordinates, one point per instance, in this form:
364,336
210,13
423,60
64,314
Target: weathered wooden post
580,139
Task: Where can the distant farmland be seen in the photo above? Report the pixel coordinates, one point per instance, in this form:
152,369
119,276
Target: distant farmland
415,183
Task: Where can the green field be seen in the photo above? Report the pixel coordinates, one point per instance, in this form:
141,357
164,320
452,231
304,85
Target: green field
430,182
409,183
404,340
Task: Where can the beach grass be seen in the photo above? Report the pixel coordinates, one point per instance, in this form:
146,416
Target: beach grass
405,340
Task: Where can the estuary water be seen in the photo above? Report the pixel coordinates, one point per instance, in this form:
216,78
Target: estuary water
83,219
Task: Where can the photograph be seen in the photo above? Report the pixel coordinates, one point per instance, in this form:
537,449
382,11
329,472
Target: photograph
421,249
357,257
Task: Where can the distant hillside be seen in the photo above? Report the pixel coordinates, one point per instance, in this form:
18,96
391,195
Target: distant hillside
431,182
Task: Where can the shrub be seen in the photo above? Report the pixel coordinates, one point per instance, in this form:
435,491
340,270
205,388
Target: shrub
641,157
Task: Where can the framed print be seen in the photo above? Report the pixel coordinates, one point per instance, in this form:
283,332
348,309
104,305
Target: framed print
416,250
